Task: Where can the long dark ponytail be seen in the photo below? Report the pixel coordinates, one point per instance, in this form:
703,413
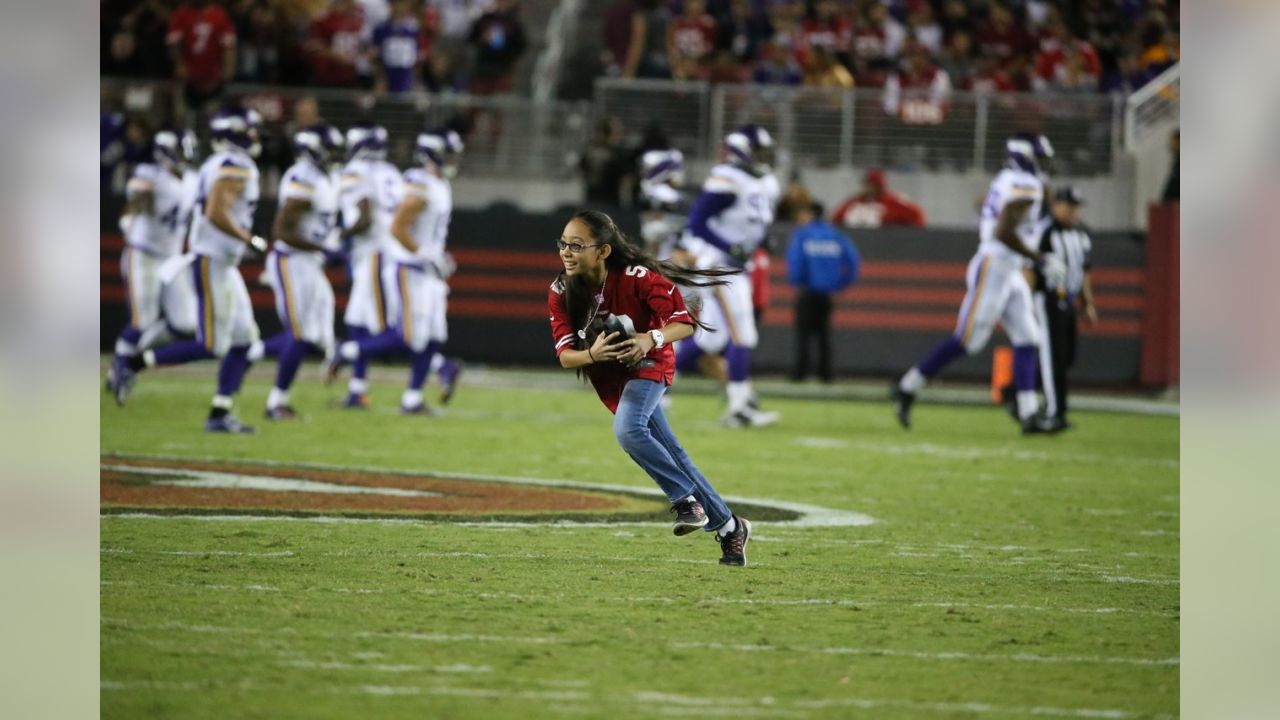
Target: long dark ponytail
578,298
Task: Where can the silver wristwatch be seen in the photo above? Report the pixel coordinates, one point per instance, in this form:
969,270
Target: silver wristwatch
658,340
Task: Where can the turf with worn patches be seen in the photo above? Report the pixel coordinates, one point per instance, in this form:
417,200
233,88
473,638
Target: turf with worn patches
1004,577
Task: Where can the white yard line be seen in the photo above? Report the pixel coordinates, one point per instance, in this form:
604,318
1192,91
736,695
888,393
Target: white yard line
922,655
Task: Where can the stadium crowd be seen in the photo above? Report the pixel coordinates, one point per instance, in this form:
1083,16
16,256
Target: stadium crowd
981,45
392,46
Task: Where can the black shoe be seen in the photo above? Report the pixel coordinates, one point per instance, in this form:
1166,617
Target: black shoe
1040,425
733,547
689,517
902,401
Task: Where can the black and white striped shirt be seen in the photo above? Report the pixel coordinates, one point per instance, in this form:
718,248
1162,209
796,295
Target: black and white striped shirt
1073,245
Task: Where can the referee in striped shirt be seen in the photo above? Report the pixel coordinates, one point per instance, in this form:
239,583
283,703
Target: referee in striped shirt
1062,234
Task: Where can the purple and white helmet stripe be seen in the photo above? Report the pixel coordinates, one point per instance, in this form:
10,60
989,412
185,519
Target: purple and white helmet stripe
367,140
1028,152
661,166
321,143
174,148
441,148
235,126
751,147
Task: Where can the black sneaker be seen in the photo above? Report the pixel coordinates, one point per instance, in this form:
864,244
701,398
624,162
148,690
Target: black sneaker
689,517
902,401
733,547
1040,425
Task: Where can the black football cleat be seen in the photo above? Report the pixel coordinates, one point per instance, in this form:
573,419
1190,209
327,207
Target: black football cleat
902,401
1040,425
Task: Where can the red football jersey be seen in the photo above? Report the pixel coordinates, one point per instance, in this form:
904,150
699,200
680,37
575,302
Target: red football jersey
651,301
202,36
340,33
693,38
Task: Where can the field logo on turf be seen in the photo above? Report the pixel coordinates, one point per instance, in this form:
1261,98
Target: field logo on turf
173,486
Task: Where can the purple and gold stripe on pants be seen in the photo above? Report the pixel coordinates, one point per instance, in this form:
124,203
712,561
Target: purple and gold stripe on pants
202,272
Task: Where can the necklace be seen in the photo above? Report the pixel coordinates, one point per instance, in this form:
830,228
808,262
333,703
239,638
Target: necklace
595,310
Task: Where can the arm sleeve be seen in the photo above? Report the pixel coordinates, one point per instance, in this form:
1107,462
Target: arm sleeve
708,205
1087,246
795,261
143,180
562,333
297,187
415,184
664,300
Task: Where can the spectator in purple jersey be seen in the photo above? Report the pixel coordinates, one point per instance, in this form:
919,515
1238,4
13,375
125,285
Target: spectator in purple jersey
397,47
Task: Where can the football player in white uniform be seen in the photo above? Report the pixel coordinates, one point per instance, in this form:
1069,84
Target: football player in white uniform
416,270
160,198
224,323
305,232
663,206
370,190
729,220
997,288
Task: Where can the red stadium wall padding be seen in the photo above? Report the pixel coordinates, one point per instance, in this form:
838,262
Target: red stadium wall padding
1161,309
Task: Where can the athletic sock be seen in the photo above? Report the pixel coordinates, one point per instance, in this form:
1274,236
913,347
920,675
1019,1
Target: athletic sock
358,386
411,398
1027,404
277,398
220,407
739,395
942,354
437,362
727,528
232,370
912,381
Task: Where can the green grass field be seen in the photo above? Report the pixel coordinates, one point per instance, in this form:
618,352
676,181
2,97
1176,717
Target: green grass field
1003,576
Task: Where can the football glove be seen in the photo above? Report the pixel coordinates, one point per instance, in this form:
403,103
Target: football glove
1054,272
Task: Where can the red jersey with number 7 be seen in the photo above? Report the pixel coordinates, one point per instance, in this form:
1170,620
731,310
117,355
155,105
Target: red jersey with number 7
202,35
650,300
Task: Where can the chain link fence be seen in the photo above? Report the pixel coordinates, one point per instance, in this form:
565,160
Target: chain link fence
821,127
509,136
520,138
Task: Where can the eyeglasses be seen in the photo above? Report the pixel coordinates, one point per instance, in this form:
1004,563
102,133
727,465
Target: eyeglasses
574,247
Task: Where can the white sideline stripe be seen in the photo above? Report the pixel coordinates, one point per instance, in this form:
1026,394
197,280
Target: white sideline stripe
921,655
424,637
239,481
810,515
1141,580
380,667
768,704
659,600
952,452
668,703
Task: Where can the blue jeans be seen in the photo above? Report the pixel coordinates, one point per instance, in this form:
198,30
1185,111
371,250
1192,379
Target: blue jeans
644,434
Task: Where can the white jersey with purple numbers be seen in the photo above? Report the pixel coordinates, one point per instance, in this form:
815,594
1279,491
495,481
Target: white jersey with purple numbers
379,182
745,222
1010,186
208,240
161,232
431,228
315,186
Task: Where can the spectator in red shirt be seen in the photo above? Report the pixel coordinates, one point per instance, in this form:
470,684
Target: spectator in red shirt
877,205
202,42
919,92
877,40
1002,38
691,40
335,45
827,29
1064,62
990,77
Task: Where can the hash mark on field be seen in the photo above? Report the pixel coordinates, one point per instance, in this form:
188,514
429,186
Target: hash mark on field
1140,581
921,655
464,637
